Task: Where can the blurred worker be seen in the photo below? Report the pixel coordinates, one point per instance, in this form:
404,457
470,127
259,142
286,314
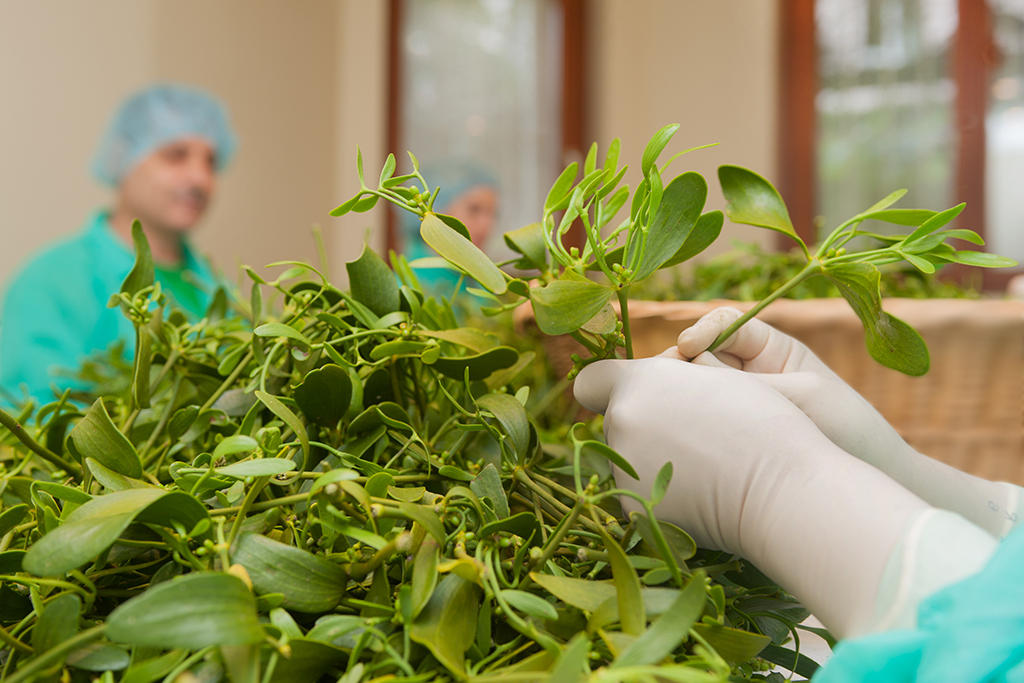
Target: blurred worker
161,154
468,192
780,461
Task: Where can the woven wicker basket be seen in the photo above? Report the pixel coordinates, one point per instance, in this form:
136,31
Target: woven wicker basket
967,411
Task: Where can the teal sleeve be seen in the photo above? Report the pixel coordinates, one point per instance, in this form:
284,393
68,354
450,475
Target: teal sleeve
43,329
969,631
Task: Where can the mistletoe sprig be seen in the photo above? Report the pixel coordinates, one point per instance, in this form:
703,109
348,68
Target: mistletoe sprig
571,288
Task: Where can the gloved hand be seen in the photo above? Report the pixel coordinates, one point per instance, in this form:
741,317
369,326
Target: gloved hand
755,477
786,365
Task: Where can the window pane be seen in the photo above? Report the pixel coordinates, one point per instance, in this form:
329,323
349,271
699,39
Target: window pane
885,103
1004,132
482,83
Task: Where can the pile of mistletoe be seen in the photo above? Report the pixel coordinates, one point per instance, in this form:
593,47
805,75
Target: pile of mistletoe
355,486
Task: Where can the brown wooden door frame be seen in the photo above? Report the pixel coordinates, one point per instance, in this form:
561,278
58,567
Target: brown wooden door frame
973,57
573,122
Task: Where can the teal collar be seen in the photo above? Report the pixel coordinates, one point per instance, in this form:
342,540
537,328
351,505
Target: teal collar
122,255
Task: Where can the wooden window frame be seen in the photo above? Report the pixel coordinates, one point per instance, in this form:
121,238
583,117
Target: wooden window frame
572,117
974,56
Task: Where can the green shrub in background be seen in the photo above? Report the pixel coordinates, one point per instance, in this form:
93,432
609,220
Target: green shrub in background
749,272
317,484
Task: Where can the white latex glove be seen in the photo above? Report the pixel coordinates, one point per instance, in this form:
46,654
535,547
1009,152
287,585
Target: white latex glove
847,418
755,477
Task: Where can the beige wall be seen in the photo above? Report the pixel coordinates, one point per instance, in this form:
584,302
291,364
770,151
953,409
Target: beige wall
708,65
66,65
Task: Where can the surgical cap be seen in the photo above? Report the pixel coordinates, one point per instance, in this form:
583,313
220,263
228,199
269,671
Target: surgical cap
156,116
454,177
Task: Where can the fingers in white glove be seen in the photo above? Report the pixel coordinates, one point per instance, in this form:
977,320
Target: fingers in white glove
755,347
699,336
595,383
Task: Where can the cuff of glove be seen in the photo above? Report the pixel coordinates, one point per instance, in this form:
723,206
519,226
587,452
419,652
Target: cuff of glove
938,549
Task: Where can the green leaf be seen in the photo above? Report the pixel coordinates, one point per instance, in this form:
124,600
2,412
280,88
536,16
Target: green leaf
752,200
192,612
452,472
628,589
149,670
181,421
288,417
561,189
11,517
704,233
900,216
566,305
325,394
308,582
480,365
58,622
388,170
260,467
529,241
461,252
680,543
675,217
471,338
590,162
96,437
455,224
309,661
571,666
426,517
424,575
99,657
886,201
373,284
922,264
934,223
668,630
91,529
398,347
603,322
732,644
487,484
889,340
142,273
529,604
282,330
239,443
580,593
141,365
447,624
512,416
522,524
981,259
962,234
605,451
655,146
788,659
661,482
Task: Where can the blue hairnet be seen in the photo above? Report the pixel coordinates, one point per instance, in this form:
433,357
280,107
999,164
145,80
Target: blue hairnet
156,116
453,177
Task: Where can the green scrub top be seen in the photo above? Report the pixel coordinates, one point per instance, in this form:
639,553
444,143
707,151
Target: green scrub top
55,312
969,632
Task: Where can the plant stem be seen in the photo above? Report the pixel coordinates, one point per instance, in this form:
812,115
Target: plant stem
45,453
228,381
40,663
623,295
808,270
265,505
258,485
